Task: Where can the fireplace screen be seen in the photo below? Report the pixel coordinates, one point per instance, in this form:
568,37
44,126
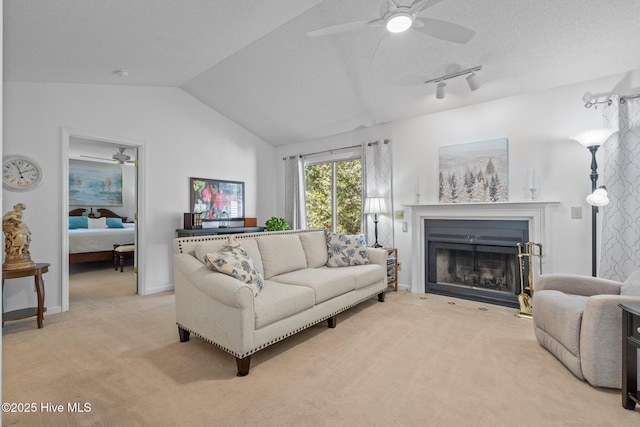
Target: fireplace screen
481,267
475,259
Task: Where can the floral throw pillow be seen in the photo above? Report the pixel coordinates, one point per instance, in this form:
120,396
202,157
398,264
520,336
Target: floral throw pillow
233,260
345,250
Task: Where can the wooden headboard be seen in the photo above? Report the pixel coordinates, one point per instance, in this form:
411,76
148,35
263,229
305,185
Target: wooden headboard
102,212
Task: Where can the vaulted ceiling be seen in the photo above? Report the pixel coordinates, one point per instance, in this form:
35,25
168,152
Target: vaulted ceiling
252,60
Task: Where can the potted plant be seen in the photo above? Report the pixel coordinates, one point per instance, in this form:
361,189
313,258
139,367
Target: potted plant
276,224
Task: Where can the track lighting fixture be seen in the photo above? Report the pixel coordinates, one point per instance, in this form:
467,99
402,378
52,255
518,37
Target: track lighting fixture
440,90
472,80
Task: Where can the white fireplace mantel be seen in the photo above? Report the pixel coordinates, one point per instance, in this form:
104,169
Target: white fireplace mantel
534,211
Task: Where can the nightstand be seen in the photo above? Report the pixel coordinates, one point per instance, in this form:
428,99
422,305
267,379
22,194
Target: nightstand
392,268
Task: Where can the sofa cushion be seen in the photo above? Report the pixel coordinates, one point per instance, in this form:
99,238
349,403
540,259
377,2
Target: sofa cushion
278,301
345,250
281,254
364,275
233,260
560,316
249,244
315,248
326,283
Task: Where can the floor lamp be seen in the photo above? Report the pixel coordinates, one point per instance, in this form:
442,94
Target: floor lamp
592,139
375,206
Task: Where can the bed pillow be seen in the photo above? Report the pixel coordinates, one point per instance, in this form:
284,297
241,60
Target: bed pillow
97,222
233,260
344,250
114,223
78,222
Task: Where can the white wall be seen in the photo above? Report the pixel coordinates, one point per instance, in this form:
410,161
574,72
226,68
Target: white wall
538,126
182,138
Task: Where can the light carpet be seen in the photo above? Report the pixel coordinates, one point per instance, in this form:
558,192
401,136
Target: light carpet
414,360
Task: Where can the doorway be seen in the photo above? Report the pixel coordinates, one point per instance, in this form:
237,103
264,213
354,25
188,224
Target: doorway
116,198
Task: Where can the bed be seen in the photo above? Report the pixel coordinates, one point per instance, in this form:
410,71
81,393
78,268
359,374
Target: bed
96,244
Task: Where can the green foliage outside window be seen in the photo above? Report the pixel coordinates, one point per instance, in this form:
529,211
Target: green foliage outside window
318,180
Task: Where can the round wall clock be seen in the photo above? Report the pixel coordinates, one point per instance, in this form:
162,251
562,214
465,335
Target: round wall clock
20,173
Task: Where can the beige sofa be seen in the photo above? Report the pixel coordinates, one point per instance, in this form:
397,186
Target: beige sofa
578,320
299,290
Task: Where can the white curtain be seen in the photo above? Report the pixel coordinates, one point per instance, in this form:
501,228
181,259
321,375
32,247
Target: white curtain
620,249
377,182
294,203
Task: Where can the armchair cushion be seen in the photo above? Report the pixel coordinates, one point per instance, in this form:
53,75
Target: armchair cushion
631,286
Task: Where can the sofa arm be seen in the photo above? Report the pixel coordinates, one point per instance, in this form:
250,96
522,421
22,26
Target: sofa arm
600,339
377,256
577,285
222,288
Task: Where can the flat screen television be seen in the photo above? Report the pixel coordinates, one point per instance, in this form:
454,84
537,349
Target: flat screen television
216,199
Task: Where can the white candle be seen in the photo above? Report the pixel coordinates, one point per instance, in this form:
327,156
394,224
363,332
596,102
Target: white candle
532,179
417,185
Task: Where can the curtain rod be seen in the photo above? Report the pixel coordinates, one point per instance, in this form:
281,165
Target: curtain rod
369,144
608,101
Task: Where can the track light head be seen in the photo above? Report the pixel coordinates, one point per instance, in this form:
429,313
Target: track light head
440,90
472,81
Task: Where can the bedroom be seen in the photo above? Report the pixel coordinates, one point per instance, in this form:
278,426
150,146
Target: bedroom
102,205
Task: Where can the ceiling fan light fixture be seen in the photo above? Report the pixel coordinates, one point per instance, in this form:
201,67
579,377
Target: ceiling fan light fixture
440,90
399,22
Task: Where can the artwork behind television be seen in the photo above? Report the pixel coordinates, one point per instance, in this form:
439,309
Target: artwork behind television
94,183
217,200
474,172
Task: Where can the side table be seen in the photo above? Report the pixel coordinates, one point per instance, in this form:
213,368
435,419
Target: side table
392,268
630,346
37,272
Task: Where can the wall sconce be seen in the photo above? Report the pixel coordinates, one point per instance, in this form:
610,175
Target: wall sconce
592,139
472,80
375,205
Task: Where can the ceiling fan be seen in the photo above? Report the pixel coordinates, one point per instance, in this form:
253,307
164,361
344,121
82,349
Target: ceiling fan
397,18
119,157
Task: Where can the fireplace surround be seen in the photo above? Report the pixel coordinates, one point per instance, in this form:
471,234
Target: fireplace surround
534,213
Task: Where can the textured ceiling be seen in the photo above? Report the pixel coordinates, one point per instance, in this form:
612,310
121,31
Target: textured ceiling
252,61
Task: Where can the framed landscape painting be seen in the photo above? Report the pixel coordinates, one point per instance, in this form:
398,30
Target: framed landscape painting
217,199
474,172
94,183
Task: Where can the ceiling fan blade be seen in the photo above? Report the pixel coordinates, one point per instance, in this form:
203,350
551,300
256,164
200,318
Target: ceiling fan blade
444,30
337,29
392,5
420,5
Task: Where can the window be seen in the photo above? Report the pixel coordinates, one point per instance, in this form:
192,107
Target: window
333,194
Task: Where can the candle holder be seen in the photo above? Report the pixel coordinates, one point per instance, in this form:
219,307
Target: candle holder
533,193
417,198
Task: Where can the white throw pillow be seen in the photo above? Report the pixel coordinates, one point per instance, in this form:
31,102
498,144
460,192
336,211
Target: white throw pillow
97,222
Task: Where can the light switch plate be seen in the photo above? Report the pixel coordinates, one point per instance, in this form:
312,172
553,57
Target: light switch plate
576,212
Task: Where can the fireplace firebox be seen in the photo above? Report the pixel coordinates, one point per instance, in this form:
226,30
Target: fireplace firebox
475,259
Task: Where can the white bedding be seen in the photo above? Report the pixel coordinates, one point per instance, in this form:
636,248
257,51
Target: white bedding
83,240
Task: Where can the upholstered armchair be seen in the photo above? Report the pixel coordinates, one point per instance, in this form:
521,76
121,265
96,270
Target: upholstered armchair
578,320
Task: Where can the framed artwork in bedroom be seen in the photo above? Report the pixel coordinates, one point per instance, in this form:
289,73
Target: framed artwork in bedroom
217,200
94,183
